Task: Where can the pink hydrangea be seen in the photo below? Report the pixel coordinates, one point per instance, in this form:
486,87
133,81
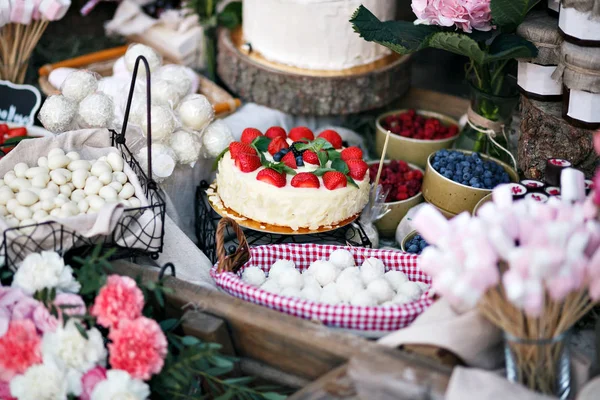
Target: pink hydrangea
464,14
120,299
90,380
138,346
20,349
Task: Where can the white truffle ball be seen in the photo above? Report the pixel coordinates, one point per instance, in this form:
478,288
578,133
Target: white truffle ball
410,290
280,267
347,288
96,111
217,136
163,161
186,146
254,276
164,93
57,113
330,298
195,112
401,299
178,76
342,259
120,69
291,292
311,293
271,286
395,278
163,123
290,278
423,286
371,269
324,272
136,50
353,273
79,85
381,290
309,280
363,298
330,288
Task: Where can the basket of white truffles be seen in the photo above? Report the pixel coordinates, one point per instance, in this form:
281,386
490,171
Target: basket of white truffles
353,288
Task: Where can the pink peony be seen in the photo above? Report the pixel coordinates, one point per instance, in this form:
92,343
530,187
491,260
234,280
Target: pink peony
20,349
118,300
464,14
138,347
90,380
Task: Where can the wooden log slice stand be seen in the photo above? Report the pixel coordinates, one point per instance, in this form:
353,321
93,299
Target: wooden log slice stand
304,92
545,134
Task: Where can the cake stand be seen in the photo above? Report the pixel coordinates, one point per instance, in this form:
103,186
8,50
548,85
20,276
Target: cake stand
301,91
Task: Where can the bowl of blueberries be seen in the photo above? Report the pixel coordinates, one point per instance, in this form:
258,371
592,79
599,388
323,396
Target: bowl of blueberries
413,243
456,180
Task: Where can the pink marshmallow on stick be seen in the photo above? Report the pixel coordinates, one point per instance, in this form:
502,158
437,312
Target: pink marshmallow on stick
502,196
21,11
431,224
37,15
54,10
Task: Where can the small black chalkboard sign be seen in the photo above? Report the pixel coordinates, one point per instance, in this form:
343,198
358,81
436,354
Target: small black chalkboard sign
18,103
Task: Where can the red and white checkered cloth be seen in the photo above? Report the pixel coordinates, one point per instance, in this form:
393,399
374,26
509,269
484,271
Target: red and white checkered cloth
342,316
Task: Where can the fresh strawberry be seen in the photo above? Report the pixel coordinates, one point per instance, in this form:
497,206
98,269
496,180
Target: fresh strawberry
271,177
334,180
275,131
247,162
290,160
351,153
332,137
310,157
236,148
358,169
249,134
277,144
16,132
301,132
3,129
305,180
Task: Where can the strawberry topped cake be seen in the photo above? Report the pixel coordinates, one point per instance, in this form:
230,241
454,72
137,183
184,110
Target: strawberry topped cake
293,179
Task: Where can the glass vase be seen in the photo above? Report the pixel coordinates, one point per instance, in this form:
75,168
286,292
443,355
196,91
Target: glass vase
496,108
541,365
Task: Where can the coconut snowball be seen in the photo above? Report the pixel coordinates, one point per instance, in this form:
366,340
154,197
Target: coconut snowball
363,298
423,286
311,293
353,273
113,87
136,50
163,161
324,272
120,69
164,93
410,290
271,286
217,136
291,292
329,298
79,85
290,278
254,276
381,290
178,76
309,280
371,269
186,146
401,299
395,278
280,267
347,288
342,259
163,123
195,112
96,111
57,76
57,113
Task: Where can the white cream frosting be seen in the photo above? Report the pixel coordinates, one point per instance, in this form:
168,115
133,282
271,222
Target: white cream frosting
312,34
288,206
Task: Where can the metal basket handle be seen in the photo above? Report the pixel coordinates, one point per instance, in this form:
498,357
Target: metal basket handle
121,137
233,262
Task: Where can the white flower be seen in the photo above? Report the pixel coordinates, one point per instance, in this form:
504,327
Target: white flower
40,382
45,270
120,385
75,354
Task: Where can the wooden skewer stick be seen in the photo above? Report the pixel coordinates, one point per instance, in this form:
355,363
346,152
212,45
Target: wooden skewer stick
385,145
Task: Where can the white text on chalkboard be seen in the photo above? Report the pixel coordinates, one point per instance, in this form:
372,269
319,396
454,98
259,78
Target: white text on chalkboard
11,115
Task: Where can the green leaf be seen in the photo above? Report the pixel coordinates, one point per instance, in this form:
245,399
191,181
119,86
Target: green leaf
509,46
333,155
10,142
458,43
190,341
239,381
351,181
323,158
303,146
226,396
159,297
81,330
231,16
261,144
322,171
220,361
215,164
169,324
273,396
288,170
400,36
341,166
508,14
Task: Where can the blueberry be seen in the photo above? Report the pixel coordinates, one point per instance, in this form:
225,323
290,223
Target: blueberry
422,244
413,249
277,157
479,169
476,185
488,174
436,166
466,177
473,181
284,151
299,161
475,155
448,174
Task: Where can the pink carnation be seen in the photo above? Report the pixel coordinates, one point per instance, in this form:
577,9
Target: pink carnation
30,309
20,349
118,300
596,192
74,301
464,14
597,141
5,391
90,380
138,347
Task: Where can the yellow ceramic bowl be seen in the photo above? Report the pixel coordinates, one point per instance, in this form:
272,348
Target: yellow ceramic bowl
398,209
452,197
406,239
414,151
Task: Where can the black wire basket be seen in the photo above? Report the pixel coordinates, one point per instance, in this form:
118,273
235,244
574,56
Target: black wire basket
133,234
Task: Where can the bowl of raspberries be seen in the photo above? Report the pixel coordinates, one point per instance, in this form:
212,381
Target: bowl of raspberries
403,182
415,134
456,180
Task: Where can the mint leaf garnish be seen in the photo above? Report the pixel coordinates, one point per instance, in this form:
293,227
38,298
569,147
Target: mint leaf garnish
323,158
216,163
351,181
261,143
322,171
333,155
341,166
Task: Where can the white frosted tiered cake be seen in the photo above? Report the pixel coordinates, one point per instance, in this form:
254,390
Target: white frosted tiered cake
312,34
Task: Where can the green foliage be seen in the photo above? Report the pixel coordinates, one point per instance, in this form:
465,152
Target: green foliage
215,164
230,17
91,274
508,14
